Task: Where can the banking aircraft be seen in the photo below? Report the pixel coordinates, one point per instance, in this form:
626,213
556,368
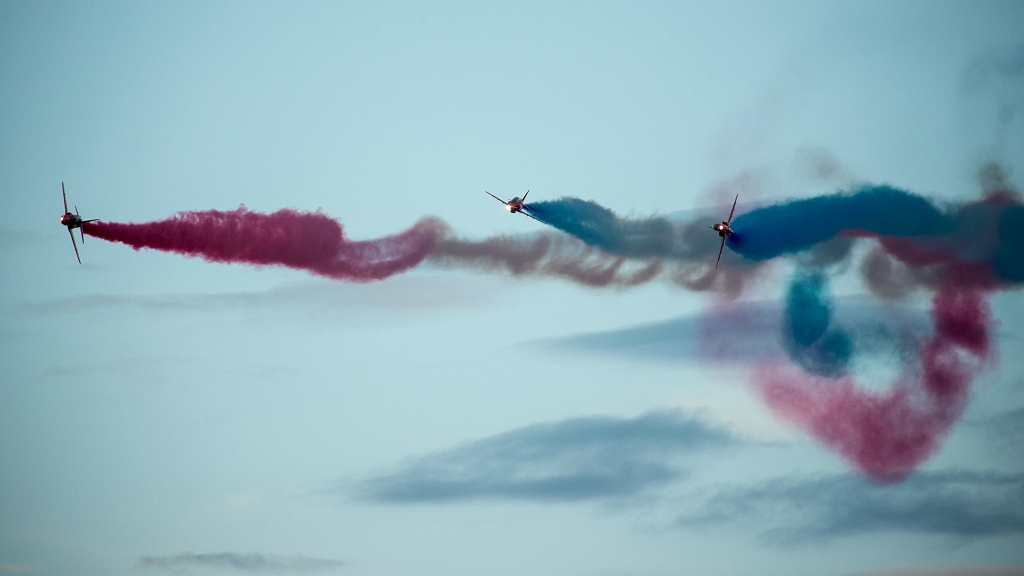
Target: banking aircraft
724,230
517,204
73,221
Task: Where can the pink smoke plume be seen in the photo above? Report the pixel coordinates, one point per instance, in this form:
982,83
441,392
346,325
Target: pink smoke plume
886,435
309,241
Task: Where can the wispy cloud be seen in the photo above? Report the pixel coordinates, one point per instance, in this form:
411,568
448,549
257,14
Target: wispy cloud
572,460
750,331
954,503
1008,425
19,568
252,562
15,239
415,291
948,570
10,335
1003,432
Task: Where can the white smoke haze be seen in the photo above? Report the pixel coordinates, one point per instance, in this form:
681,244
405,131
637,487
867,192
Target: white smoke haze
253,562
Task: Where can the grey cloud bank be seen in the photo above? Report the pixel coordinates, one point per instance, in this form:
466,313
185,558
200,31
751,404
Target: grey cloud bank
255,563
979,570
605,458
572,460
953,503
410,292
750,331
1008,425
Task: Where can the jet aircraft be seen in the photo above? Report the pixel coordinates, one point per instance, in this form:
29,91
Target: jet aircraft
517,205
724,230
73,221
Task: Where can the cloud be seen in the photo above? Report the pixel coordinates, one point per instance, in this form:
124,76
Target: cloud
596,457
10,335
13,239
19,568
1003,433
252,562
936,570
408,292
751,331
954,503
993,85
1009,425
670,340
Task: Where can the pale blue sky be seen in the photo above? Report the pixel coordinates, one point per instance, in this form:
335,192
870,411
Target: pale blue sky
160,414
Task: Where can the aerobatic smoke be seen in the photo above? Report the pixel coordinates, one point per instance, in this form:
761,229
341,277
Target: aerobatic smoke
886,435
809,338
602,228
602,250
562,256
309,241
315,242
544,255
961,251
980,244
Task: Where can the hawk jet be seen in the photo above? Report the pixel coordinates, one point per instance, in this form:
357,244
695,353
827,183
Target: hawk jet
724,230
517,204
73,221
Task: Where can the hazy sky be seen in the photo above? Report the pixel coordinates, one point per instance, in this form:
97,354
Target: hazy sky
165,415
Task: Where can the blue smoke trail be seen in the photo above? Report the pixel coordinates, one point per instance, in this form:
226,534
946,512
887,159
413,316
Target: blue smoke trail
1009,260
602,228
794,226
809,342
988,232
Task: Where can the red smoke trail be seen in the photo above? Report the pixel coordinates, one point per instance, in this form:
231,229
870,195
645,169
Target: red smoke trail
886,435
309,241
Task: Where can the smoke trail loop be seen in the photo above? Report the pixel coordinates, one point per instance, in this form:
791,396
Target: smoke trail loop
887,435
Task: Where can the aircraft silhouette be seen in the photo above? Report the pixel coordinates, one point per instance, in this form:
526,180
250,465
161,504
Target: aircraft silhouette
73,221
517,205
724,230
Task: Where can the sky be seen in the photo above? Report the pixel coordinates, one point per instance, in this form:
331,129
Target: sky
166,415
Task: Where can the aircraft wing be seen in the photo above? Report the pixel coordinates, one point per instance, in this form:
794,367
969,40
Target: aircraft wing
524,213
733,211
75,245
496,198
65,195
720,248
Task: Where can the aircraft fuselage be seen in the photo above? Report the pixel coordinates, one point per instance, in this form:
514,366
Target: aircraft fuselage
72,221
